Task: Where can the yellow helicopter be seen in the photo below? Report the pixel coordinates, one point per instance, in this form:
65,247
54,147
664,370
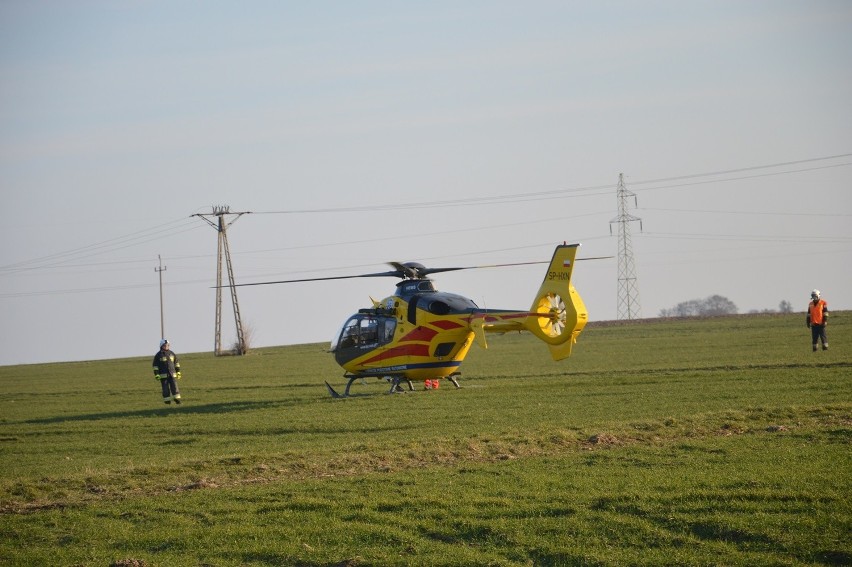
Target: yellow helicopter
419,333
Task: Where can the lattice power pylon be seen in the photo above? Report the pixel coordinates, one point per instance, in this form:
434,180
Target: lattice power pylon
628,290
221,226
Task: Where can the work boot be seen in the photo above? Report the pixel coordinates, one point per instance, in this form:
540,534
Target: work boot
824,347
177,400
815,349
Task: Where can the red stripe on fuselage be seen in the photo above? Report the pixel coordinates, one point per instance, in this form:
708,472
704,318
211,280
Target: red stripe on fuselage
406,350
420,334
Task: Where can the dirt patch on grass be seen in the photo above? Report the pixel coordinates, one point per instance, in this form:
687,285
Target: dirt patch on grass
604,439
447,452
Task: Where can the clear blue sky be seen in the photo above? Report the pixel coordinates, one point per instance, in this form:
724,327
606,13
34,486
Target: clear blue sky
447,133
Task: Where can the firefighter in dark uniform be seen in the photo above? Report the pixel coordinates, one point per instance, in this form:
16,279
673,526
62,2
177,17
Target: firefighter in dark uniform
167,371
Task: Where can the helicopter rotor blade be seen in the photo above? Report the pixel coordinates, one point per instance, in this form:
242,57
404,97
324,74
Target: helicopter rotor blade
427,271
409,270
375,275
438,270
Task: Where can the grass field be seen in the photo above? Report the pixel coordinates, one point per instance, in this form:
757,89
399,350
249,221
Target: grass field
722,441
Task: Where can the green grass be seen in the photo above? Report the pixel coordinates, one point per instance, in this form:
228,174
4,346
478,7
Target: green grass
692,442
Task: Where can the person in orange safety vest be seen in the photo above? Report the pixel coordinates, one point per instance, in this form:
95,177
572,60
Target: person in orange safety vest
817,319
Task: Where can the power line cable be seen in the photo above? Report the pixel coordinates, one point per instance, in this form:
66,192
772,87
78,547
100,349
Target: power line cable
590,191
97,289
773,174
747,237
452,231
750,213
64,258
470,201
143,236
742,169
59,259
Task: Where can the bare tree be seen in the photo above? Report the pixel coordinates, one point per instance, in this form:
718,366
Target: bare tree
248,338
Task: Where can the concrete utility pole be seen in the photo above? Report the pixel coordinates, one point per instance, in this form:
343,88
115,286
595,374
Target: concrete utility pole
160,270
628,291
221,226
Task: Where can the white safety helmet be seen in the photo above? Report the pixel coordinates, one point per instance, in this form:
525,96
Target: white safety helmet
164,342
815,294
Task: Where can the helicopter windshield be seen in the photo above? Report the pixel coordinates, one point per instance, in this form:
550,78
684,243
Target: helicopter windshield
364,331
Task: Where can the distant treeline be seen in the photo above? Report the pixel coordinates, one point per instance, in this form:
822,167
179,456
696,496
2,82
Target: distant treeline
712,306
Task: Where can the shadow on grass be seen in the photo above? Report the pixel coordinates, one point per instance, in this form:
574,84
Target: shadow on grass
185,408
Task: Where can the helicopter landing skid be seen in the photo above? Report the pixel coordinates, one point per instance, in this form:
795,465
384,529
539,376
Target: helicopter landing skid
395,382
395,385
452,378
334,393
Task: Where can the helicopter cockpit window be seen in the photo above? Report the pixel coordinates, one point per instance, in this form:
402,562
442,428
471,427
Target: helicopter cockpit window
349,334
368,331
388,329
365,331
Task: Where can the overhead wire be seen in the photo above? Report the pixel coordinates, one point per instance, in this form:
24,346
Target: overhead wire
179,226
750,213
137,237
32,293
60,259
750,168
338,268
747,237
593,190
729,179
447,231
580,192
469,201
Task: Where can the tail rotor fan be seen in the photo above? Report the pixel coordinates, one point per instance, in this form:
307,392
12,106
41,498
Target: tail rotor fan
553,307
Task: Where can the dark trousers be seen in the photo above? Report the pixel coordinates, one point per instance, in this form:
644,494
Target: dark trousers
818,334
170,388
